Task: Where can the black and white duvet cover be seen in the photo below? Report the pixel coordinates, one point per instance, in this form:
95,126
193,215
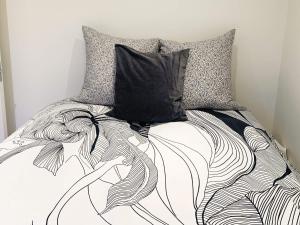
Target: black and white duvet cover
71,164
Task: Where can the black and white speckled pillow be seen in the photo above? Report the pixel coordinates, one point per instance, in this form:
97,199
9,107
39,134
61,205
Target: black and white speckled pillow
98,87
208,73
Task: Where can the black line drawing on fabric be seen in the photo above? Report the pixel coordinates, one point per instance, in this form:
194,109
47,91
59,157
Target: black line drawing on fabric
232,175
112,147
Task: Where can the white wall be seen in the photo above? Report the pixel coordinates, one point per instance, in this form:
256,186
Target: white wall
287,114
47,51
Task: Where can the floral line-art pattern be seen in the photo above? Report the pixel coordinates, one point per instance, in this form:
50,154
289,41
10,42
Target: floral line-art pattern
219,167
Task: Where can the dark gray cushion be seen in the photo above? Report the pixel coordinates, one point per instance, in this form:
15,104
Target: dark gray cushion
98,87
149,86
208,73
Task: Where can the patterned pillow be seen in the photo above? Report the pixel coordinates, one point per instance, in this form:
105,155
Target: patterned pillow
98,87
208,73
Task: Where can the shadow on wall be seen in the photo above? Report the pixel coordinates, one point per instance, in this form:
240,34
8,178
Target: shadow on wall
77,69
7,73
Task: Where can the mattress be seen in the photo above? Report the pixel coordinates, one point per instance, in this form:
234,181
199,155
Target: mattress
72,164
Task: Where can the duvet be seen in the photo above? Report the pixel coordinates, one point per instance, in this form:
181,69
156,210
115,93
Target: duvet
72,164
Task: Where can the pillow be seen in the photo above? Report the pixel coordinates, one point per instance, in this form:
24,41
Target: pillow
98,87
149,86
208,72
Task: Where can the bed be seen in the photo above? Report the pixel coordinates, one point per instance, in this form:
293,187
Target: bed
73,164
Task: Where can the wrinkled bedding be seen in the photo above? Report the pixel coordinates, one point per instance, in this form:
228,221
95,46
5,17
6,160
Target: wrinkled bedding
72,164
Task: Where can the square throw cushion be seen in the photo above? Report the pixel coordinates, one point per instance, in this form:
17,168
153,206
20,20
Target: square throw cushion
208,72
149,86
98,87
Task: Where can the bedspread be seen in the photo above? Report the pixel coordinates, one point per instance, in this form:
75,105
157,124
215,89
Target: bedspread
72,164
